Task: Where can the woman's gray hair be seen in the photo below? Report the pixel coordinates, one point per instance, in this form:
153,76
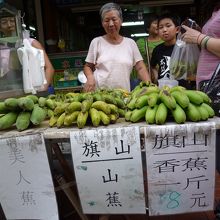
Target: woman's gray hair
109,7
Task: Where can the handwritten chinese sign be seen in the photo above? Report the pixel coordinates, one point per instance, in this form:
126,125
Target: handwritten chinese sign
180,168
26,186
108,169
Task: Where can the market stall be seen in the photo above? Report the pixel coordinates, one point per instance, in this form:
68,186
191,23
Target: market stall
202,145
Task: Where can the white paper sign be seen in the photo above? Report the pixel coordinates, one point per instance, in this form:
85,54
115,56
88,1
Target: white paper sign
108,170
180,168
26,186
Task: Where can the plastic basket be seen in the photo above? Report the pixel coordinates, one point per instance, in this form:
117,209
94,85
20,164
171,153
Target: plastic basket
67,83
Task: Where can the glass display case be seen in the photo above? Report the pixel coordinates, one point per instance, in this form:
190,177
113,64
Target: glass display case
11,83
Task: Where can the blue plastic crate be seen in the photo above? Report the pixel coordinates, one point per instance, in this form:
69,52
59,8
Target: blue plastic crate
67,83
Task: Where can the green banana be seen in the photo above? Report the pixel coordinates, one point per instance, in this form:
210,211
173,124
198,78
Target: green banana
104,118
121,112
97,97
128,115
120,103
136,91
141,101
95,116
73,106
50,103
151,114
38,115
152,99
33,97
82,119
23,120
203,112
101,106
86,104
71,118
60,108
26,104
42,101
205,97
53,120
177,88
60,120
194,97
168,100
181,98
113,118
138,114
8,120
12,104
131,104
3,108
148,90
161,114
114,108
179,114
209,109
109,99
192,113
50,113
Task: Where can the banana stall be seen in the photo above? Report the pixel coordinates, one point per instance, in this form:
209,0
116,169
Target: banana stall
150,151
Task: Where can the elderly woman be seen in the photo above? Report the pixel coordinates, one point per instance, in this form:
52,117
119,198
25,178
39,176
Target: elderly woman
111,57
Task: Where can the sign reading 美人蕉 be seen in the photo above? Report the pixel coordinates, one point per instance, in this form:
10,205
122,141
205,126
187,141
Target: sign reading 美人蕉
26,185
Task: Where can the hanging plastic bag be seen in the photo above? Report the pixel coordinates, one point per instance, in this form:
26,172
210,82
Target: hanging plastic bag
32,60
184,59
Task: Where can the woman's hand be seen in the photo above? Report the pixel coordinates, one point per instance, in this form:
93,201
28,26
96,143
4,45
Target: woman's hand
88,71
90,84
191,36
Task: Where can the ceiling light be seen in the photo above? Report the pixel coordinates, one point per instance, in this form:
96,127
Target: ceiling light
32,28
133,23
166,2
140,35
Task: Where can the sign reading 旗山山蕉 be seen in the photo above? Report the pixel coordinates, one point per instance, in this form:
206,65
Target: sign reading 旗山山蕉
108,170
180,168
26,186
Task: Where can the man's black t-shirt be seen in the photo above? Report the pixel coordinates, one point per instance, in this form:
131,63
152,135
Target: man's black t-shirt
161,57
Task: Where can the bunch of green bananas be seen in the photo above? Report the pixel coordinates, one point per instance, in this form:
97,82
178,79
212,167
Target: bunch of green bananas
22,112
98,108
156,105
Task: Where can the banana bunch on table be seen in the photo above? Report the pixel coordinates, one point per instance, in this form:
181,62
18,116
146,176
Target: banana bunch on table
21,112
98,108
156,106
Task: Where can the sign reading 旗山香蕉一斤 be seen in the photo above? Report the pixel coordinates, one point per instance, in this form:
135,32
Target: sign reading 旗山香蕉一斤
180,168
26,186
108,170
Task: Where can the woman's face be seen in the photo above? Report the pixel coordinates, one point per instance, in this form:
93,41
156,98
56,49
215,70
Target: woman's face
153,29
7,25
111,22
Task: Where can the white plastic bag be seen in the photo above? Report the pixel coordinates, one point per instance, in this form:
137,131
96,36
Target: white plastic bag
32,60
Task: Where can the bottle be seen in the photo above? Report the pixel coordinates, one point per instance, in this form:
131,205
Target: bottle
66,74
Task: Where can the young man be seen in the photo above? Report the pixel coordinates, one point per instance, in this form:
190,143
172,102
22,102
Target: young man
168,28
